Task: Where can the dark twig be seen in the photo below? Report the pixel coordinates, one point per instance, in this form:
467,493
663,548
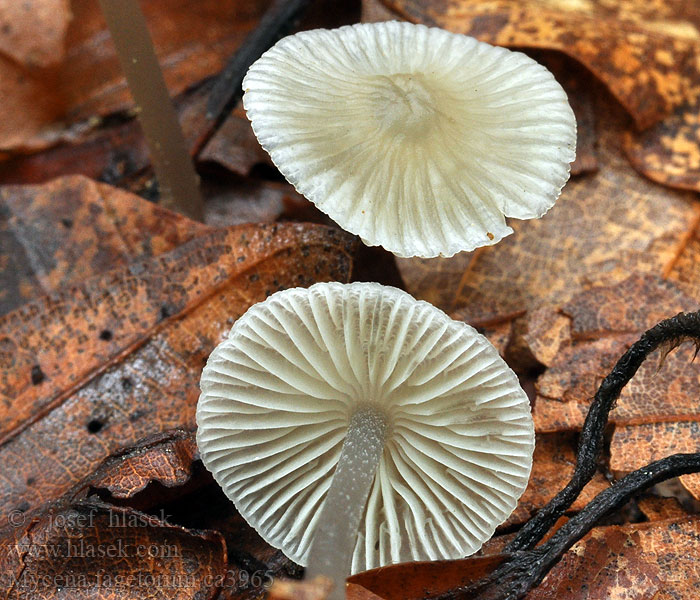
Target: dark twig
671,331
516,577
277,22
529,565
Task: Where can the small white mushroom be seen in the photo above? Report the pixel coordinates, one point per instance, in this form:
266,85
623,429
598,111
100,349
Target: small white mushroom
414,138
354,426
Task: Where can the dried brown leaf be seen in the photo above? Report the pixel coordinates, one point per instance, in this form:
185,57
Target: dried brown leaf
93,369
633,446
73,228
32,32
89,549
192,41
165,458
631,562
605,321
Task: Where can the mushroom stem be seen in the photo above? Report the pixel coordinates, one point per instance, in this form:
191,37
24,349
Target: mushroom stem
331,551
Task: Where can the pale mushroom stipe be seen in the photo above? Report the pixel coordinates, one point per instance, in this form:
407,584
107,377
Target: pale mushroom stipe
413,138
354,426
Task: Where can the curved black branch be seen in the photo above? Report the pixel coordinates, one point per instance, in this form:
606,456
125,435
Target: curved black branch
516,577
527,565
670,331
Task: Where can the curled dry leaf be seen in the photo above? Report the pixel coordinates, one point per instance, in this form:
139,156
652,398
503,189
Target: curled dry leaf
100,365
73,228
166,458
605,226
93,550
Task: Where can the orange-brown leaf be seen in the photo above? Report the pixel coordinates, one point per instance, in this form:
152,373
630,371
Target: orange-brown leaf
192,41
96,367
632,562
73,228
32,32
411,581
92,550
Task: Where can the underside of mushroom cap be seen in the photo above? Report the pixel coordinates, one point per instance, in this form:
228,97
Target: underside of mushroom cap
414,138
279,393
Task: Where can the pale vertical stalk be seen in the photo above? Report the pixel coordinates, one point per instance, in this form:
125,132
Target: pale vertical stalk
177,179
332,547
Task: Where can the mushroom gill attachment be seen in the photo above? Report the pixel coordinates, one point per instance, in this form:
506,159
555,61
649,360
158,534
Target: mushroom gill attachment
444,429
414,138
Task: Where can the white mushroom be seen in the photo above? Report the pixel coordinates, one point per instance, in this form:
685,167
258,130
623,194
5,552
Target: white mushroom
414,138
354,426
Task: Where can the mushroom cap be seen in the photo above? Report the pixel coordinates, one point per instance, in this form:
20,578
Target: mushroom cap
279,392
414,138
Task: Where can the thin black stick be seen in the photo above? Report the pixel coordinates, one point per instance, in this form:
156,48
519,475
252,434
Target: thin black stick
516,577
529,565
671,331
277,22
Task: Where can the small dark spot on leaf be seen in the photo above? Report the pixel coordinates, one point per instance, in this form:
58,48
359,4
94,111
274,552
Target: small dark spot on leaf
127,384
106,335
164,311
37,375
31,480
67,223
94,426
305,250
254,277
